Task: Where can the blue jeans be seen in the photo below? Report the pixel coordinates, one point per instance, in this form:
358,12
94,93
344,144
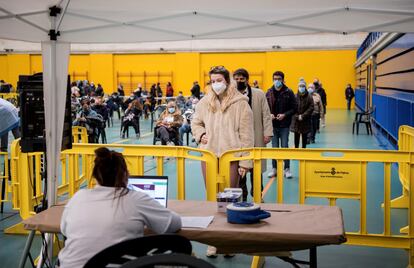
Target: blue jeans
184,129
283,135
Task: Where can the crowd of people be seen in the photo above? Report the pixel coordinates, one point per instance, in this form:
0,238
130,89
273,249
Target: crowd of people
94,110
232,115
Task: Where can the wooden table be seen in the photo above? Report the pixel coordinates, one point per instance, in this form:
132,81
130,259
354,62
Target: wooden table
291,227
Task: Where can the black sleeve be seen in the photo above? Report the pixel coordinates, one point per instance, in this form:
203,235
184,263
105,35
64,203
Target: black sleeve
292,104
309,110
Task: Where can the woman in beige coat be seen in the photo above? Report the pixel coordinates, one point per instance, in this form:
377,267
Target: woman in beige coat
223,121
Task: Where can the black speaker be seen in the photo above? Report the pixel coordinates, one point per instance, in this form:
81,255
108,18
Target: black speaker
32,114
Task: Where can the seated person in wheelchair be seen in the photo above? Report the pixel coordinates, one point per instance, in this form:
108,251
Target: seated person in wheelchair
89,119
187,116
168,124
110,213
131,118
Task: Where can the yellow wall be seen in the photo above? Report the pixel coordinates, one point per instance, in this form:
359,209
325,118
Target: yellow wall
101,70
334,68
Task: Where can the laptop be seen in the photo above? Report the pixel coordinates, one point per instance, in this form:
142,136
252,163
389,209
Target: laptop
154,186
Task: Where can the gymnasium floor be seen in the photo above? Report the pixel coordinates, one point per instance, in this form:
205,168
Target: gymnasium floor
337,134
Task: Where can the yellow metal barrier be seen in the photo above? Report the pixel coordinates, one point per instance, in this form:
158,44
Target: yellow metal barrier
4,177
334,174
77,165
134,156
405,143
79,134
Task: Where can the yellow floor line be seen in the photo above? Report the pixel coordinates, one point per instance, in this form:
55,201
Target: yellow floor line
267,187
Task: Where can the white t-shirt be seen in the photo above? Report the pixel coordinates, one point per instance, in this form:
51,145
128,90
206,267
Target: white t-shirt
93,220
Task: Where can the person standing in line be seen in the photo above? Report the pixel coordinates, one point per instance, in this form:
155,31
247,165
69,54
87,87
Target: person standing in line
317,112
349,95
223,121
282,103
159,93
262,121
195,90
321,91
169,91
301,121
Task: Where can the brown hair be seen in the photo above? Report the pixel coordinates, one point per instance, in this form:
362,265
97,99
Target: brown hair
220,70
110,170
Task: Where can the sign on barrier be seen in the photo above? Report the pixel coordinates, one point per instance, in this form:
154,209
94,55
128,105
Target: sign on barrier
332,178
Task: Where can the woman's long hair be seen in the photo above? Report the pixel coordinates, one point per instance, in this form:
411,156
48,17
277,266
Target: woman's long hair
110,170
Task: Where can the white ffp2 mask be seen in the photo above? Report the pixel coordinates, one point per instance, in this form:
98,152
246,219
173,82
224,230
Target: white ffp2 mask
218,87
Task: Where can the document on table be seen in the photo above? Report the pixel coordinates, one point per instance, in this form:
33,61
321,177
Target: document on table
196,222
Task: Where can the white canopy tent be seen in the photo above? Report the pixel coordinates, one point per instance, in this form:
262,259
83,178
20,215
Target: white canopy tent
97,21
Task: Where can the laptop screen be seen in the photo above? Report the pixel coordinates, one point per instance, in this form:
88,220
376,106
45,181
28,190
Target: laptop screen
154,186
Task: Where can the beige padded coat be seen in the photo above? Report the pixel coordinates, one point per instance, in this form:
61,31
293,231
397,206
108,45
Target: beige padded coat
262,119
228,125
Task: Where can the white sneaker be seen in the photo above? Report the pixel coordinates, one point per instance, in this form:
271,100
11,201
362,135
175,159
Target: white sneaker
272,173
288,174
211,252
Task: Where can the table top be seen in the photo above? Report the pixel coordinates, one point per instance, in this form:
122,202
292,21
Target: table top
291,227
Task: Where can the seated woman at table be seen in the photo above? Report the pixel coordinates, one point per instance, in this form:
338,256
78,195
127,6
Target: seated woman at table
97,218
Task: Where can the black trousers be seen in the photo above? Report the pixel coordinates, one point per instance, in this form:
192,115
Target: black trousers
304,139
5,139
243,185
314,126
132,123
167,135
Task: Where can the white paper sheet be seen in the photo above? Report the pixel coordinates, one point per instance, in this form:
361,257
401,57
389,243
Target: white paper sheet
196,222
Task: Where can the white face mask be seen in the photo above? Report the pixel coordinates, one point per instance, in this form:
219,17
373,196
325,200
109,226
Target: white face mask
218,87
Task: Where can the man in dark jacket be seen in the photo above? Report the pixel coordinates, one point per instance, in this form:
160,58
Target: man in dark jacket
195,90
319,89
282,103
349,95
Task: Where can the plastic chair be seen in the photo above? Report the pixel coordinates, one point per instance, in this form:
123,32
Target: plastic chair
363,118
121,253
168,260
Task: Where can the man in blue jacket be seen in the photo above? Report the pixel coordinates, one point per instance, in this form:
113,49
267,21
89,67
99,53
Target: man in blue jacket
282,103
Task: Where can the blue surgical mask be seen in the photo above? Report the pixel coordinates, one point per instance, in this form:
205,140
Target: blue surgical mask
171,110
302,89
277,83
311,90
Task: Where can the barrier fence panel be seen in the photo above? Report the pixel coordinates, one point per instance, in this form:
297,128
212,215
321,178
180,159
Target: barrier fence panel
4,177
405,143
77,166
134,157
333,174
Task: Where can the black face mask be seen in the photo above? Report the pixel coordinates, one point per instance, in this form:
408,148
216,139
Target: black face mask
316,84
241,85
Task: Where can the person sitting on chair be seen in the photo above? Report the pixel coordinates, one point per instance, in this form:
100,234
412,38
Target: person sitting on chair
83,120
131,118
168,124
110,213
